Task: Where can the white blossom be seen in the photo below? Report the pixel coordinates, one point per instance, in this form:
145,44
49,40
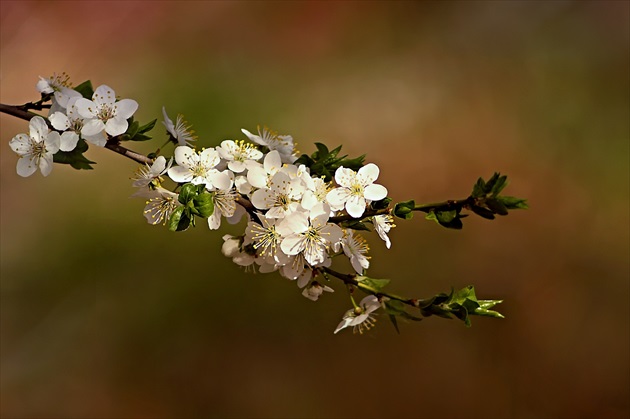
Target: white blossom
356,190
238,154
198,168
181,131
36,149
104,113
71,123
259,175
382,225
59,86
310,234
224,205
281,198
313,291
355,247
360,317
146,175
160,204
270,139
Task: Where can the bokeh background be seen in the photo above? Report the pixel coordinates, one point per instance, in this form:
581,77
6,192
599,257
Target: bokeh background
104,316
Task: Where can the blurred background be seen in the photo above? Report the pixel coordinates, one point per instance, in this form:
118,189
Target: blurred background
105,316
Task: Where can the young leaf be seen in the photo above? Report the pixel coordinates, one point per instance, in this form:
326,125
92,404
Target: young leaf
404,209
511,202
75,158
372,284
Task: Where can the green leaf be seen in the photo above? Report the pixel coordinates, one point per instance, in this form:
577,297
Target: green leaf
449,219
175,218
86,89
147,127
75,158
490,183
187,193
482,212
354,164
445,217
132,130
322,152
479,189
382,204
354,225
304,159
203,204
371,284
496,206
500,183
511,202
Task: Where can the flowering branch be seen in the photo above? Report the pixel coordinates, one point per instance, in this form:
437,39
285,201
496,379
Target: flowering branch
301,211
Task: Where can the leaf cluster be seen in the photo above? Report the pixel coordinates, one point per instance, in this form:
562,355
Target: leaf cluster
487,201
461,304
196,201
324,162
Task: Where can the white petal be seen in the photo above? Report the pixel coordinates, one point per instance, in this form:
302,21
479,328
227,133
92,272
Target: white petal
168,123
116,126
59,121
344,323
375,192
43,86
38,128
52,142
26,166
257,176
368,173
46,164
236,166
125,108
214,221
69,141
99,139
185,156
345,177
355,206
220,180
252,137
272,162
180,174
104,95
296,222
359,263
262,198
20,144
92,127
332,232
304,278
338,197
86,108
209,157
292,245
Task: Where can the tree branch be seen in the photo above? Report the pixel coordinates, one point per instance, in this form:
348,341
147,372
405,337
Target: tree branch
112,143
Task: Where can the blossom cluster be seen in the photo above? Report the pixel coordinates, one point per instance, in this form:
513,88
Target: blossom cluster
289,209
74,117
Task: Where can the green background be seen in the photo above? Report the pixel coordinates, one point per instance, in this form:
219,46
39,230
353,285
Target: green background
105,316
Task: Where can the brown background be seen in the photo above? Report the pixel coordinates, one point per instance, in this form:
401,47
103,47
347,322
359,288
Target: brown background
104,316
